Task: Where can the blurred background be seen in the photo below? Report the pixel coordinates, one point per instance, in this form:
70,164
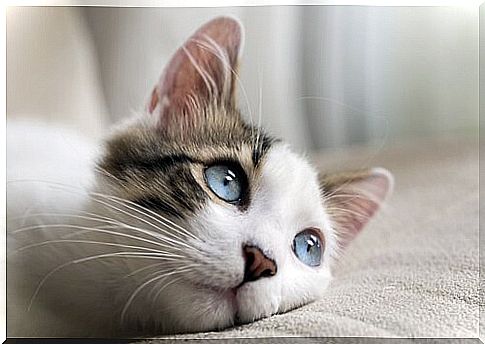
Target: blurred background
324,76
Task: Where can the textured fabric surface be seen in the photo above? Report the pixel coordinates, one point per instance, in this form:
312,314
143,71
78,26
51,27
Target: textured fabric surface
414,271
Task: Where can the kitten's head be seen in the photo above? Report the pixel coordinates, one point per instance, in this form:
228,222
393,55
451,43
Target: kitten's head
246,227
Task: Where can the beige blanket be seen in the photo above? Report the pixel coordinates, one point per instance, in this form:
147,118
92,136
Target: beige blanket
414,270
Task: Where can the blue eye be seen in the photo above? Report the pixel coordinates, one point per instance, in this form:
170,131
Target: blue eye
226,181
308,247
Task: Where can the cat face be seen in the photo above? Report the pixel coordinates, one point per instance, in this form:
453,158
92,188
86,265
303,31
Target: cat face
286,211
244,227
274,205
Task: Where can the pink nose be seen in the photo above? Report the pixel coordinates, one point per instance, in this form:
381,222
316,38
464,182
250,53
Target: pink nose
257,264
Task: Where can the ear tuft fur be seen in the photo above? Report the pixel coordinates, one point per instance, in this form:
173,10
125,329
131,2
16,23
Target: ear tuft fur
353,198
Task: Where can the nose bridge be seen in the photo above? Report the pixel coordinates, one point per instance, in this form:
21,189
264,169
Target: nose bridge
266,228
257,264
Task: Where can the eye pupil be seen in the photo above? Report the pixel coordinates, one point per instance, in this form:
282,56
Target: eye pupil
309,246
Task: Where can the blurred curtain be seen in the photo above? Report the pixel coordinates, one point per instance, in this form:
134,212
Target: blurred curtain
323,76
384,73
52,72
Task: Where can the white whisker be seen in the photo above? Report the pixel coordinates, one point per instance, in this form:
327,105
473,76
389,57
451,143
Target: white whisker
260,108
174,241
128,254
144,212
159,291
93,242
98,230
139,288
143,269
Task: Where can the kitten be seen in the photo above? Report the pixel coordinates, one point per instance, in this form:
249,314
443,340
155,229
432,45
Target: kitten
190,219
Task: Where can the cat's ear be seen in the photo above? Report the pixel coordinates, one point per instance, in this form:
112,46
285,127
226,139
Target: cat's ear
201,72
352,199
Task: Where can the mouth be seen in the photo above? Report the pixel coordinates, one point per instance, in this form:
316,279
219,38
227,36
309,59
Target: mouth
232,298
227,295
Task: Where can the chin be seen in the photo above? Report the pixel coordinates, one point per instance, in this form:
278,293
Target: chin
198,309
208,309
255,302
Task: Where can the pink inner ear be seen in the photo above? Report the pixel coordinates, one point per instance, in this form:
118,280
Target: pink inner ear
200,72
153,100
358,201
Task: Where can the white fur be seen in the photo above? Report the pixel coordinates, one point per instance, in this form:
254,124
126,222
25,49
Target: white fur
40,152
88,299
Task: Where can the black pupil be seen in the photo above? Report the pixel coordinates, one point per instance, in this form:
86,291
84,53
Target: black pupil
311,243
231,176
